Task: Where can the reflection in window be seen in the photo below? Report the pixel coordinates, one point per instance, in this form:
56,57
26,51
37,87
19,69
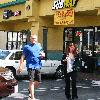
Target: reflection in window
68,34
97,40
88,40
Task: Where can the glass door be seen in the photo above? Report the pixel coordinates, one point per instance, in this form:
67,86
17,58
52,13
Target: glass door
67,38
97,47
72,35
88,41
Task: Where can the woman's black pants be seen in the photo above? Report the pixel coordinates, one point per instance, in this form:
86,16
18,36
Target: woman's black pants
70,79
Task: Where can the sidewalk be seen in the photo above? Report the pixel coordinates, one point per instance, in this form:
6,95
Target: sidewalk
52,89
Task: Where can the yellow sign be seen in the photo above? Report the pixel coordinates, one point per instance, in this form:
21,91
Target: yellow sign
6,1
69,3
64,16
58,4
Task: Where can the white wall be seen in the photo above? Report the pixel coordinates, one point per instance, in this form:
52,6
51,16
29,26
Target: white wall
3,39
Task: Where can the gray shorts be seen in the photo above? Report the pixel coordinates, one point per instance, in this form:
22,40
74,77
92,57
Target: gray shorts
34,74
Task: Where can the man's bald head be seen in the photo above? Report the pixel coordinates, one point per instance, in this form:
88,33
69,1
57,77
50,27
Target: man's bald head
33,38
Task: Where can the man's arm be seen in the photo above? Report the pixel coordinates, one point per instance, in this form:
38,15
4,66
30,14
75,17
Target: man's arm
21,64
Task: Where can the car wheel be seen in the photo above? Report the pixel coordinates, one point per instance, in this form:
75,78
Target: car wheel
13,70
59,72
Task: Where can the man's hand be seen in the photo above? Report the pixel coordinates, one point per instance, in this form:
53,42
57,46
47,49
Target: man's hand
42,54
19,70
21,64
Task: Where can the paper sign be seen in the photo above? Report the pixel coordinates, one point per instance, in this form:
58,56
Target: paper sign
64,16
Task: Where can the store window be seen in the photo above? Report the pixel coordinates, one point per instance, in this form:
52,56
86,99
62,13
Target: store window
97,40
74,35
15,40
91,40
88,39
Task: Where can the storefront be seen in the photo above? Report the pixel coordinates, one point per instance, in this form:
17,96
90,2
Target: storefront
37,16
16,40
88,43
17,22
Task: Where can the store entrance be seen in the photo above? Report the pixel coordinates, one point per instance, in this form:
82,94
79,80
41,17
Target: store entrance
72,35
88,43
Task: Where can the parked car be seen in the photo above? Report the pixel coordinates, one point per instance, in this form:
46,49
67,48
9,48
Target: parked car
11,60
8,84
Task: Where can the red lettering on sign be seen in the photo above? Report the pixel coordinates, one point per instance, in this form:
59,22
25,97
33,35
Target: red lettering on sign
69,13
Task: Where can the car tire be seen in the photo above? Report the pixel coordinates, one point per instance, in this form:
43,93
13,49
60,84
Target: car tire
13,70
59,72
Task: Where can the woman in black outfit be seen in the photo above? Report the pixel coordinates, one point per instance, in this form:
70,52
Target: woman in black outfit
70,72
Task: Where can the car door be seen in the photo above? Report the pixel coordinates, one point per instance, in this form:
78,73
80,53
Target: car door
49,66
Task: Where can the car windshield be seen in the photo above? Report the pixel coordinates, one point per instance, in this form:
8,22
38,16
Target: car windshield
4,54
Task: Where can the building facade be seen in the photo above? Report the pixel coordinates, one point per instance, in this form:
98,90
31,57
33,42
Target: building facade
37,16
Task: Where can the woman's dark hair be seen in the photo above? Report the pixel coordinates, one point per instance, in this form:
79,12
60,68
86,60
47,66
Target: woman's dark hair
71,49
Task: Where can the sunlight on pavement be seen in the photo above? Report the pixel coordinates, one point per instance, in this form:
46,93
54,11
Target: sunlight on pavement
86,87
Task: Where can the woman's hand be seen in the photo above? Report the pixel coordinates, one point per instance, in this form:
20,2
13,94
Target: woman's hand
64,60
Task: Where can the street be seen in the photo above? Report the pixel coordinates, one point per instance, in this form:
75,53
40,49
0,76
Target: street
52,89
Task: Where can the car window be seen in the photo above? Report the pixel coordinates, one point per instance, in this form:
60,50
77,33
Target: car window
18,55
4,54
12,57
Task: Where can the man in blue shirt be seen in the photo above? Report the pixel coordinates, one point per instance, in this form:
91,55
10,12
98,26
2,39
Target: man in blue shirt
33,54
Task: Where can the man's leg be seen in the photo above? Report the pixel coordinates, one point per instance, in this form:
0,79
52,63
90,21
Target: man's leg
31,74
31,89
36,84
35,78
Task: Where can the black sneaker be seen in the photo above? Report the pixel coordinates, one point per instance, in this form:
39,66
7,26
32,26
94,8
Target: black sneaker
75,98
69,99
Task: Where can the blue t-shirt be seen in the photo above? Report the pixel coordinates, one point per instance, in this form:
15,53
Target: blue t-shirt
32,55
